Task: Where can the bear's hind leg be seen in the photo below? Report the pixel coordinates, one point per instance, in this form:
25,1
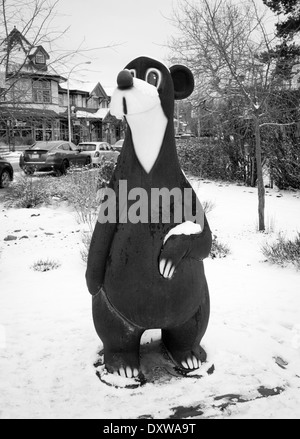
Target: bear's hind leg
183,342
120,338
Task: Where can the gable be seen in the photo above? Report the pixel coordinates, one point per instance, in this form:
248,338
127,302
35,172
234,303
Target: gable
16,39
21,52
99,91
38,51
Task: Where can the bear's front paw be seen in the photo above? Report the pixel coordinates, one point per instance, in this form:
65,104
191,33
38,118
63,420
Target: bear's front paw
172,253
166,268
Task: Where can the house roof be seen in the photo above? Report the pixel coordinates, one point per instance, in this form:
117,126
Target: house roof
90,87
27,113
62,88
32,52
87,87
100,114
51,73
16,40
15,36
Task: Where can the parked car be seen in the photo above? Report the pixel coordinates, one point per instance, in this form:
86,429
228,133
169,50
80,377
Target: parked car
184,136
54,155
118,145
6,173
98,150
187,136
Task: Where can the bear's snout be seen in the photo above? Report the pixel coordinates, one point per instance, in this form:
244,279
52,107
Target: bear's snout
132,96
124,80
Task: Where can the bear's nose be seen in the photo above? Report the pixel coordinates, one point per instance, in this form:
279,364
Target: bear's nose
124,79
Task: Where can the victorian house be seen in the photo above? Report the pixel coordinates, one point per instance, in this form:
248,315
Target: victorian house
37,103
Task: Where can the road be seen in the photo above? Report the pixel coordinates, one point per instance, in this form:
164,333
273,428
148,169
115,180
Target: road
14,160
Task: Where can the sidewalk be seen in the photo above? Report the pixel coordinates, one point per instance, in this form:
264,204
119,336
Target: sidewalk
10,154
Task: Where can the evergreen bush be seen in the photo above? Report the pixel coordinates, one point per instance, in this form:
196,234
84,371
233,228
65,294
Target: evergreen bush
207,158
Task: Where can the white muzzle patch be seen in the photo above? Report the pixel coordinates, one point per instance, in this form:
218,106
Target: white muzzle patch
139,98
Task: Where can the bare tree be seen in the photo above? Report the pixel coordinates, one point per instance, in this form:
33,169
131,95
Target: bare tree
28,33
222,41
35,20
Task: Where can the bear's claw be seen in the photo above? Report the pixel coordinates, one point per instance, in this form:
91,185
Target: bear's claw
127,372
191,363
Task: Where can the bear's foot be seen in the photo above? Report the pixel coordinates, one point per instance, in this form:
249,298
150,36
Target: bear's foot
123,364
122,377
127,373
188,360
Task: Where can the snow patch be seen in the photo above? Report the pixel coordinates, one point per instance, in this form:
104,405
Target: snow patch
186,228
48,337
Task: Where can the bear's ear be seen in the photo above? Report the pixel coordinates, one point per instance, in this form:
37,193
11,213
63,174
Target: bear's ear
183,81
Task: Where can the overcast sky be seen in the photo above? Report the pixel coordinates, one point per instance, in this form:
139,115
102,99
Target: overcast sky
137,27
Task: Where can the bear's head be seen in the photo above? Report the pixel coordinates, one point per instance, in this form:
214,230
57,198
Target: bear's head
145,94
134,86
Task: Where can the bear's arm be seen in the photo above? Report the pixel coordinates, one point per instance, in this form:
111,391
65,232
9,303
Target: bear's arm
98,253
178,247
200,244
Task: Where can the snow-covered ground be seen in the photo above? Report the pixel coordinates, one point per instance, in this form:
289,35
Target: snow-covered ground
48,343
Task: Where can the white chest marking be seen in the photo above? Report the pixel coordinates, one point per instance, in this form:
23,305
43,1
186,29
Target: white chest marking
148,130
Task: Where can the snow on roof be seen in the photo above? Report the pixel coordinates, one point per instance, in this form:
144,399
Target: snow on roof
35,49
86,86
79,85
100,114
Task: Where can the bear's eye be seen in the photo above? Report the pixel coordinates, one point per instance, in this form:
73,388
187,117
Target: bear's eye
133,72
153,76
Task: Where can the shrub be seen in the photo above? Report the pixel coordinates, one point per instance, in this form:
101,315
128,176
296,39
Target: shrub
284,163
79,187
106,168
283,251
84,196
86,241
84,190
208,206
207,159
28,192
218,250
45,265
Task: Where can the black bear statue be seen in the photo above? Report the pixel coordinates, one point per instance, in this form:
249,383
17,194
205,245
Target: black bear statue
145,264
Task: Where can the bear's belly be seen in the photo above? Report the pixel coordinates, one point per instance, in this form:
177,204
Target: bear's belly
136,289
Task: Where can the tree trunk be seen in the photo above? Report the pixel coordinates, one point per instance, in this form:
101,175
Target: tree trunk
260,181
253,173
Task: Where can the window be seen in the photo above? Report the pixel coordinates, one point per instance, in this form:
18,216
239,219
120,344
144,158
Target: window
40,58
41,91
64,147
79,101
